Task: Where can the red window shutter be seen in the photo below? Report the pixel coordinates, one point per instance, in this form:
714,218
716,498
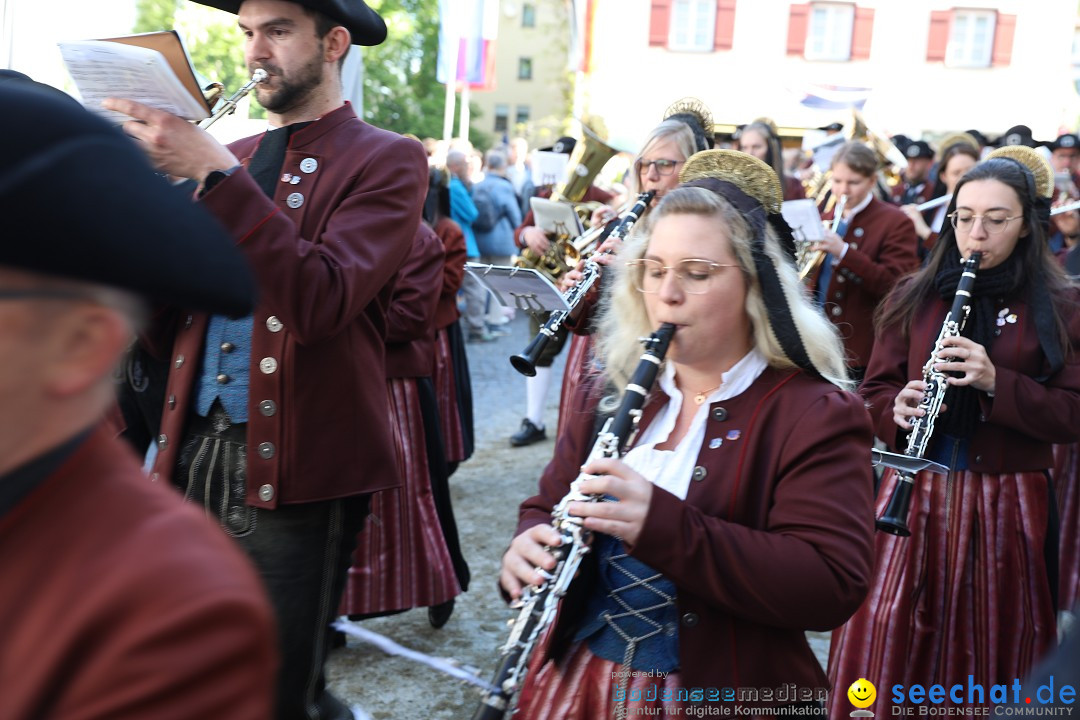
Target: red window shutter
798,23
862,34
725,25
1004,30
659,22
938,41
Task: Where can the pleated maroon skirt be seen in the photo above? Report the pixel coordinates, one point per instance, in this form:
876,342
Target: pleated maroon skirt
967,594
401,560
1066,479
587,687
446,392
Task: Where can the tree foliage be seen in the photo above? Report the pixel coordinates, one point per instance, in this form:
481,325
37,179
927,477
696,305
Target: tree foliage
212,38
401,92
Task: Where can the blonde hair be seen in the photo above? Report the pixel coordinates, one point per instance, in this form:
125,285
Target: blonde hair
623,319
674,130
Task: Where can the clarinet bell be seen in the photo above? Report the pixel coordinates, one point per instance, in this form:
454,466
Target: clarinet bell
894,519
525,361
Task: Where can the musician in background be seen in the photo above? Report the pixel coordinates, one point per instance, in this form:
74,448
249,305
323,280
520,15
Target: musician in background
959,153
972,592
277,423
916,185
533,429
119,600
744,503
872,247
655,169
761,140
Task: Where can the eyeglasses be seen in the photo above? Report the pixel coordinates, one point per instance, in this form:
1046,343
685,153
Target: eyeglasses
693,275
992,223
663,167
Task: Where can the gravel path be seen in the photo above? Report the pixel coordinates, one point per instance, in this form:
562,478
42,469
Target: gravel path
486,491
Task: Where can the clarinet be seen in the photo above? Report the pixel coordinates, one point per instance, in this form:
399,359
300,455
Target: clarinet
894,519
539,603
525,363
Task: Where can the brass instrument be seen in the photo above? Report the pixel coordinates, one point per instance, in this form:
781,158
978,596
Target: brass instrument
214,91
563,254
806,258
891,162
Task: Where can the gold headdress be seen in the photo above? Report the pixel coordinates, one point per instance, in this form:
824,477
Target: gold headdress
693,109
955,138
1033,161
752,176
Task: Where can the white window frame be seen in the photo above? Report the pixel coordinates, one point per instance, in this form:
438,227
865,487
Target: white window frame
963,49
693,25
829,29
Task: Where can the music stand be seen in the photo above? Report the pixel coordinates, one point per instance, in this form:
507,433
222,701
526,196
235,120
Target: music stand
520,288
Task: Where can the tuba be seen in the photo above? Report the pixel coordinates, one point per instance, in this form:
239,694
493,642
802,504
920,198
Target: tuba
588,158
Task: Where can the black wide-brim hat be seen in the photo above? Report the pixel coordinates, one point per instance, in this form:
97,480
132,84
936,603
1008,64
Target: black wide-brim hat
80,200
364,24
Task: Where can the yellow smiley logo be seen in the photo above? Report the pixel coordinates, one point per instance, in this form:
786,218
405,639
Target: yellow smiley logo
862,693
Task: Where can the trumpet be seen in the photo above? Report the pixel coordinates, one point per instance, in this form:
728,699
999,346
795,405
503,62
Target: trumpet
806,259
525,361
229,106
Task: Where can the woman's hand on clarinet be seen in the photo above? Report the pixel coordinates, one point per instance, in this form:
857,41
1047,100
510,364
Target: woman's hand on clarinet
906,406
602,216
526,553
624,518
967,357
174,145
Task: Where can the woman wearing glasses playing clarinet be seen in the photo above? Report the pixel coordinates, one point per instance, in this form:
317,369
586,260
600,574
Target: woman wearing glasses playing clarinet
741,508
972,591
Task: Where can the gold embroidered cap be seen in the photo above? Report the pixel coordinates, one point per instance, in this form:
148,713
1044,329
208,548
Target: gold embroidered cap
1033,161
754,177
690,108
950,140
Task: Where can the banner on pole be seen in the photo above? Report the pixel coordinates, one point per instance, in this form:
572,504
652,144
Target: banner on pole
474,25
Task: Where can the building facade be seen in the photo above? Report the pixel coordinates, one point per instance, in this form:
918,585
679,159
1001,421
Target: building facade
915,67
533,86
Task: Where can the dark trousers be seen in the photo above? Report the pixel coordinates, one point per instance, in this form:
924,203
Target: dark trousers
302,552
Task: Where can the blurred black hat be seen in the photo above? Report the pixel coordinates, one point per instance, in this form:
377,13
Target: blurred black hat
1067,141
832,127
80,200
919,149
1017,135
363,23
564,145
979,137
901,142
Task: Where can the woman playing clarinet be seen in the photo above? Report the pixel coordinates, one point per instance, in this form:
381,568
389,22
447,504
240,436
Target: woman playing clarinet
972,591
740,517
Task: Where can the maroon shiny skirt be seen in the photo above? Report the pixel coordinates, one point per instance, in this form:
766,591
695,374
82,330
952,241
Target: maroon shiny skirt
967,594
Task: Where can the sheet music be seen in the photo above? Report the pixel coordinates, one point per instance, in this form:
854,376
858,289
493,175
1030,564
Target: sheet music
522,288
559,218
108,69
549,168
804,219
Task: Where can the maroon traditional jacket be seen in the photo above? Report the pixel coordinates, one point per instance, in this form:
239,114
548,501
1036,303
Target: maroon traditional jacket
324,252
410,336
121,601
1019,424
453,271
775,536
882,248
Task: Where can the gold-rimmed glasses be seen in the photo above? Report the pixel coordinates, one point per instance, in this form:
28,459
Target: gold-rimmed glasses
694,275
